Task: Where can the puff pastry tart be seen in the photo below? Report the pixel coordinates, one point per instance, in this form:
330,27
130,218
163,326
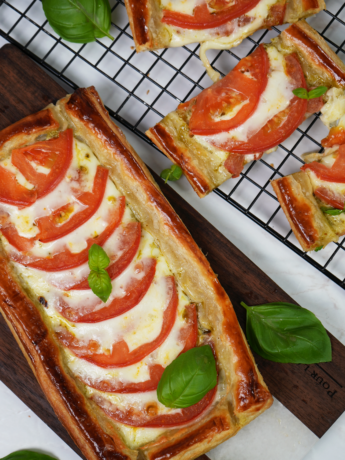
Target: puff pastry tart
216,24
313,199
69,180
251,110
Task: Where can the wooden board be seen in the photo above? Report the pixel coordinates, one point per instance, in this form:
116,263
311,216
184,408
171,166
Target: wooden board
315,394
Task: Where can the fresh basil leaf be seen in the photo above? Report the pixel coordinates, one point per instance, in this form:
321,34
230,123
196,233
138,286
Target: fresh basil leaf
302,93
286,333
27,455
318,248
98,259
317,92
174,173
100,284
79,21
332,211
188,378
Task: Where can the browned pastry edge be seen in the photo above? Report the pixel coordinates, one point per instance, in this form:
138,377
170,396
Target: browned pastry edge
94,433
321,66
308,223
148,30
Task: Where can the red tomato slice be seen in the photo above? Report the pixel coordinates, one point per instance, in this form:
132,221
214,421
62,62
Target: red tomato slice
120,355
244,84
328,196
336,136
49,227
188,335
135,291
334,174
149,417
11,192
128,246
55,154
314,105
282,125
234,164
65,260
205,18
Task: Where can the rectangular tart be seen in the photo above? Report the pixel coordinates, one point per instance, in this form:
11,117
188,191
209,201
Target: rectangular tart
154,26
70,179
202,158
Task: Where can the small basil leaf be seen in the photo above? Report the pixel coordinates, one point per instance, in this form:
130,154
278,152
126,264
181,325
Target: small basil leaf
317,92
174,173
98,259
286,333
188,378
79,21
100,284
318,248
332,211
301,93
27,455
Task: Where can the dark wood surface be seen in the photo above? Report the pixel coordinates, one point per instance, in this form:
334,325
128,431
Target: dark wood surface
315,393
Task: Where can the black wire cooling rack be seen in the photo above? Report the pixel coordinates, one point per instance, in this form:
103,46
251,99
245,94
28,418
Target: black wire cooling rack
139,89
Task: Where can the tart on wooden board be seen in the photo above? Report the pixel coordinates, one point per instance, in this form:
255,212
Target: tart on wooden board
71,180
251,110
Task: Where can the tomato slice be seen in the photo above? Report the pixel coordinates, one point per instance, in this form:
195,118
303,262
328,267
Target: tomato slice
282,125
127,248
234,164
188,336
54,154
11,192
120,355
205,17
149,418
243,85
49,227
328,196
336,136
134,293
65,260
334,174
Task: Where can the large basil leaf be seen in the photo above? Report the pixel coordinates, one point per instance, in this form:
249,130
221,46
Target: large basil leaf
188,378
286,333
27,455
79,21
98,259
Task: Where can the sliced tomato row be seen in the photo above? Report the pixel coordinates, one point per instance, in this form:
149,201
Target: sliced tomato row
51,227
55,155
133,293
150,418
188,336
209,14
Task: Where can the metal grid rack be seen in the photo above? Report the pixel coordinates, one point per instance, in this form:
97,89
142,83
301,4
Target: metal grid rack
139,89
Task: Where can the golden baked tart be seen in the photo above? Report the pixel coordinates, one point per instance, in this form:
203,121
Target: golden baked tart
78,207
216,24
313,199
251,110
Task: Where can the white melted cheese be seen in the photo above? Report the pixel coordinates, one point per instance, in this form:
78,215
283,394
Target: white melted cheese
275,98
24,219
7,164
333,112
181,6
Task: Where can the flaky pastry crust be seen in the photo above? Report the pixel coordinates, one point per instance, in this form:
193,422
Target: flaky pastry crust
242,393
204,171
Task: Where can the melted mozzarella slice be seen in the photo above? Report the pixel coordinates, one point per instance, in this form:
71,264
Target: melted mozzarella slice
181,6
275,98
